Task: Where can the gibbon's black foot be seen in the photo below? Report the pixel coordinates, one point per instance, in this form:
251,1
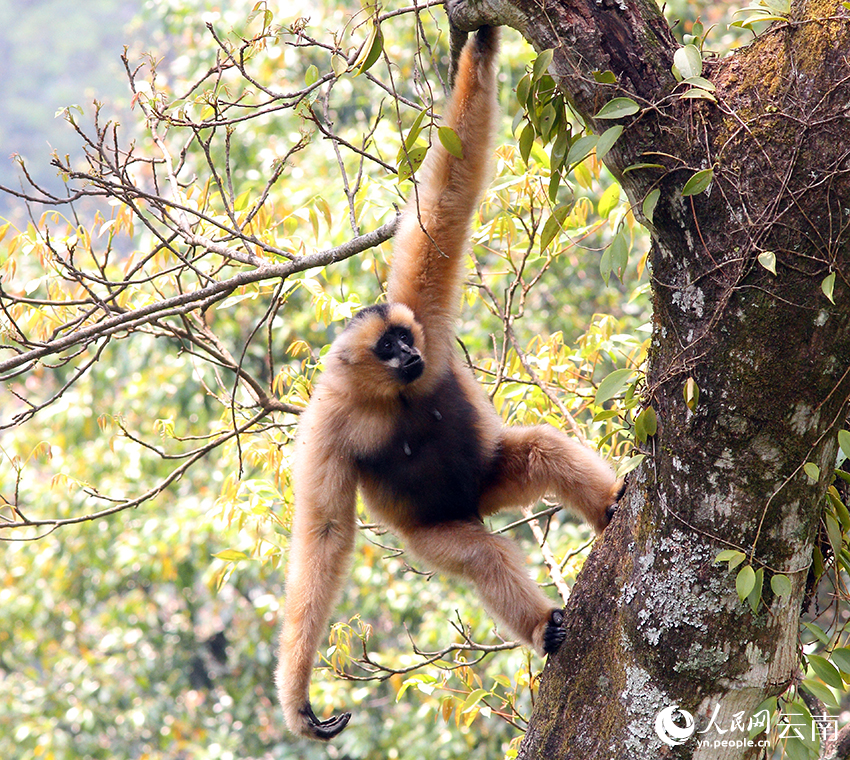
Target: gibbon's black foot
324,729
611,509
555,632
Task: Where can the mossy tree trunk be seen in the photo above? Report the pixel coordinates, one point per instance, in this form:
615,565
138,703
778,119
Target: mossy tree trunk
653,621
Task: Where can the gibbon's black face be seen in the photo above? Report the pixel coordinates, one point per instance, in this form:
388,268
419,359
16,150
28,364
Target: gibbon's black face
395,349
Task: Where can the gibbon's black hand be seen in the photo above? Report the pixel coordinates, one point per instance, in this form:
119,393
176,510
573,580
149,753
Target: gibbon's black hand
555,632
325,729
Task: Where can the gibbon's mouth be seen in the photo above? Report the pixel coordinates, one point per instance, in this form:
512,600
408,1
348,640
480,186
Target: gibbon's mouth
411,368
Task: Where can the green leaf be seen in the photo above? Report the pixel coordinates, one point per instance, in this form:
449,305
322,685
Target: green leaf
833,533
844,442
642,165
619,252
826,671
554,186
558,154
812,471
687,61
818,632
473,699
523,88
780,7
698,182
700,82
841,658
754,597
695,93
649,203
629,464
605,77
828,285
408,164
732,556
373,48
415,131
745,581
613,384
547,121
230,555
617,109
541,64
816,688
311,76
609,200
780,585
580,149
451,142
646,424
553,225
818,566
768,261
526,140
607,140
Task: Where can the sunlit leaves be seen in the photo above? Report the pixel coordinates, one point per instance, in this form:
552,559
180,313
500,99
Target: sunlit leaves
371,50
687,62
691,393
828,286
745,581
450,141
763,10
613,384
768,260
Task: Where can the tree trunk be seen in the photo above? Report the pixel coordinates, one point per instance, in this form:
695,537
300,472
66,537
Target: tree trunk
653,621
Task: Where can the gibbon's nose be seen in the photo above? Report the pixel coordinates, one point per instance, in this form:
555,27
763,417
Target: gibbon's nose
409,356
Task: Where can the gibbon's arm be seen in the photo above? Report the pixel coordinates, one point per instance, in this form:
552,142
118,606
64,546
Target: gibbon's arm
427,267
322,539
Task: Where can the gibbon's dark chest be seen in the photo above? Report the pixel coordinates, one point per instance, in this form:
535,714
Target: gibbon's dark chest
433,464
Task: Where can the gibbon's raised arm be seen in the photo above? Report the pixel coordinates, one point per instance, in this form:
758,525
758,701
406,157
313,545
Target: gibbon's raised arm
433,237
399,417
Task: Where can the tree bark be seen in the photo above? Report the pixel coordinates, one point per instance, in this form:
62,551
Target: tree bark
653,621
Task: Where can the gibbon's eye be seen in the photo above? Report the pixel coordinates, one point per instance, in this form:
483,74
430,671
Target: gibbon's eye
385,350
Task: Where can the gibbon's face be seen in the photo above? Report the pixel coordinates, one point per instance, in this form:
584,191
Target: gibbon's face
387,338
396,349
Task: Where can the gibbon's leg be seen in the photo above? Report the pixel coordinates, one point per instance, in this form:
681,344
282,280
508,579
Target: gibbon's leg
496,567
540,460
320,546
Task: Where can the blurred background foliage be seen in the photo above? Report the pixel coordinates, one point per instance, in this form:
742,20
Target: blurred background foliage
151,633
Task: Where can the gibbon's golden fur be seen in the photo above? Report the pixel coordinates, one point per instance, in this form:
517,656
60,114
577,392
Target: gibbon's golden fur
398,415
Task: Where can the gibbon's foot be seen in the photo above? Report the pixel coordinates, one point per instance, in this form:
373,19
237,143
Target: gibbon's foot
555,632
323,729
611,509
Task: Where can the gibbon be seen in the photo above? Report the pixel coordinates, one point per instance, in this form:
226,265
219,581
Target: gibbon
399,416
